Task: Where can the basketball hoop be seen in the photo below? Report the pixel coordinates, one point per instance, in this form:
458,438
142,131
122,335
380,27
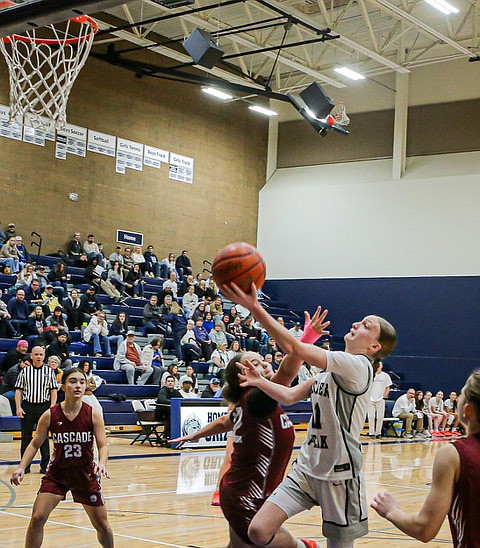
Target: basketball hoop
339,114
42,71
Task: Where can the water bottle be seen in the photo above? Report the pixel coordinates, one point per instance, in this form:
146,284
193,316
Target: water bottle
94,364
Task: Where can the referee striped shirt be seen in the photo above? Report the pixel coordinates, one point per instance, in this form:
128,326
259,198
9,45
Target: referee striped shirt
36,383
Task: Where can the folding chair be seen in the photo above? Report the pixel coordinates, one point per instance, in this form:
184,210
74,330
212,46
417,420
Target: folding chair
146,420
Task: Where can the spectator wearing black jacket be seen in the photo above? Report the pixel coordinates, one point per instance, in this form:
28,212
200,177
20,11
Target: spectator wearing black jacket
153,264
7,388
13,356
75,251
153,321
165,394
60,347
183,264
212,388
72,306
89,304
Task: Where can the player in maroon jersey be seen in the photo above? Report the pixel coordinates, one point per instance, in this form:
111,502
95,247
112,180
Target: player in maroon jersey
455,483
263,438
74,426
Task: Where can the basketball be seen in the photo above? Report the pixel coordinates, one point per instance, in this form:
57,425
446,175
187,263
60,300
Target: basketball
241,264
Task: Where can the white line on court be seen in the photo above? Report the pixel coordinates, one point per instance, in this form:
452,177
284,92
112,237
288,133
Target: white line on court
93,530
139,495
402,469
381,484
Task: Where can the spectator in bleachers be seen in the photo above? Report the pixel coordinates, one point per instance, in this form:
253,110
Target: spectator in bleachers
191,350
190,372
212,388
178,323
23,254
116,276
201,289
118,330
139,259
379,393
212,290
220,357
450,406
187,391
7,389
202,339
252,339
232,314
116,257
433,420
236,330
277,360
61,347
216,307
54,363
9,256
6,327
268,358
437,409
50,301
91,249
405,409
60,318
199,312
75,251
19,311
183,265
33,294
165,394
36,326
135,283
189,300
152,356
14,355
72,306
128,261
171,284
24,278
217,335
269,348
234,348
58,277
167,304
296,330
168,265
89,397
97,275
198,279
172,371
41,276
152,263
97,332
183,287
89,304
153,321
11,231
129,359
208,322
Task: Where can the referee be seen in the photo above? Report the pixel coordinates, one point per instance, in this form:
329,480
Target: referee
35,392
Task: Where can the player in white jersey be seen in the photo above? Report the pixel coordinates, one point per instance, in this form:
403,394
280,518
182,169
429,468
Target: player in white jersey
327,471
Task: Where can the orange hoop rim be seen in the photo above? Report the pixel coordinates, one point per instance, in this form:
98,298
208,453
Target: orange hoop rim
52,41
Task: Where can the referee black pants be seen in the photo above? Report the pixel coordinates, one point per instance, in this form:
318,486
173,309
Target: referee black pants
33,412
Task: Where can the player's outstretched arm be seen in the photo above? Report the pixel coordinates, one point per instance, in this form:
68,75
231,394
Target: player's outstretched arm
283,394
218,426
30,452
425,524
101,439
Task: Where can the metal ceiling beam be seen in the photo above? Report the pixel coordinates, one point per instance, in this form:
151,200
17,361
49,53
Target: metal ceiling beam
297,14
399,13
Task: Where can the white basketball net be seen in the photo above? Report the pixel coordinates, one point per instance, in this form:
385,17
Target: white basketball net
42,71
339,113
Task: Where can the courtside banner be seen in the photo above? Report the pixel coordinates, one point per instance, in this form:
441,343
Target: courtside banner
129,238
188,416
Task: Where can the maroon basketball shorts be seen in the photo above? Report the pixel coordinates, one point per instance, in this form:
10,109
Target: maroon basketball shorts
84,485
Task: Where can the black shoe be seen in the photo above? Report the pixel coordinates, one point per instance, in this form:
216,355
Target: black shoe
43,470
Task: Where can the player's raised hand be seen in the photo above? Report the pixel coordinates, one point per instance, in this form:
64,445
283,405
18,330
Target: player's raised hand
238,296
101,469
17,476
249,375
384,503
315,327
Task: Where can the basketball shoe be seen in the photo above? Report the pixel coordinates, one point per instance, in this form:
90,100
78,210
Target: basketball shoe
216,498
310,543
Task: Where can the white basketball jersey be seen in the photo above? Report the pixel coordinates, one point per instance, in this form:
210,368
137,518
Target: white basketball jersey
339,399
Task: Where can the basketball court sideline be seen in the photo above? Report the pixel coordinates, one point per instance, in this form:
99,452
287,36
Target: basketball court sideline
162,497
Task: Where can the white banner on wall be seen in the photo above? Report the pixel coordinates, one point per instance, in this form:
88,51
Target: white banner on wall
192,418
154,157
129,155
101,143
7,129
181,168
71,140
37,136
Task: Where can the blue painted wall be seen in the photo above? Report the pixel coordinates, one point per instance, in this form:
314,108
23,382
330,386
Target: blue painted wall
436,318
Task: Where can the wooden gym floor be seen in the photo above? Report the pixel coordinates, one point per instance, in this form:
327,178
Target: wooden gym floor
162,497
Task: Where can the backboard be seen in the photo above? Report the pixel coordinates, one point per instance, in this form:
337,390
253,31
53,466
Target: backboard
17,16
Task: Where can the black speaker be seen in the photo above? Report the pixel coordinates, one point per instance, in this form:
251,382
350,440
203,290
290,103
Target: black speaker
202,48
317,100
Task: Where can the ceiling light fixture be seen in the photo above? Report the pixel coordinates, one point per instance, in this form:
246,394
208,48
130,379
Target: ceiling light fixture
443,6
217,93
262,110
349,73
